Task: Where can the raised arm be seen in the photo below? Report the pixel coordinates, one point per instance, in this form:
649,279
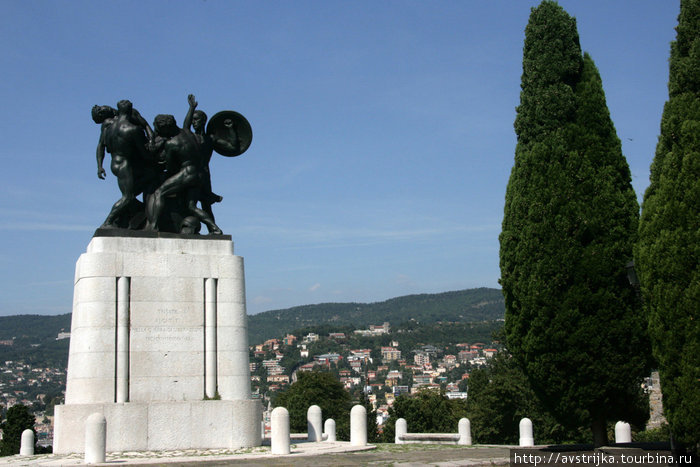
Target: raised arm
190,112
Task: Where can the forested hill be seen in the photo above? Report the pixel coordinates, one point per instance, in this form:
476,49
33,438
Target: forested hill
33,328
471,305
461,306
33,339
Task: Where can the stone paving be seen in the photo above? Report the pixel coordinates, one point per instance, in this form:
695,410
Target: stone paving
303,454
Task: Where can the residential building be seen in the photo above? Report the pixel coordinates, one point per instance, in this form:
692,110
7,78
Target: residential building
311,337
390,353
421,358
327,358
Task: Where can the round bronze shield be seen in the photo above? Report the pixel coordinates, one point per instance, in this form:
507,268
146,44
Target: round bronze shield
231,133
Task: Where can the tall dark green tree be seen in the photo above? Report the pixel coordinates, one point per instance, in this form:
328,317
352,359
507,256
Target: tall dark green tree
572,320
18,419
667,255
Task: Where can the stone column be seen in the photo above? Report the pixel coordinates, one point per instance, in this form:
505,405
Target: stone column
526,437
279,431
233,377
210,383
329,430
122,364
95,439
400,429
623,432
27,443
465,432
358,426
314,423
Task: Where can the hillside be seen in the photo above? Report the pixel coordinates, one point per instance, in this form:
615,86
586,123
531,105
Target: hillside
471,305
34,339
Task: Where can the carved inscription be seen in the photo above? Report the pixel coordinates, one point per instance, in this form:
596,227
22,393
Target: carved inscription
168,316
169,326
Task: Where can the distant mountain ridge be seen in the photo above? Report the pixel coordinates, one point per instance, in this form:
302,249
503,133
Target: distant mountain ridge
471,305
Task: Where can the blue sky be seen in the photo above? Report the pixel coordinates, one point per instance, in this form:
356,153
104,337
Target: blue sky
383,131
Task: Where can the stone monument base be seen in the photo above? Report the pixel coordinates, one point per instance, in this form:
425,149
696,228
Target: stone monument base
159,345
163,426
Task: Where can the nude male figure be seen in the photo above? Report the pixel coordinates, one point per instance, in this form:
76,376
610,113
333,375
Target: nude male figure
185,169
198,120
126,142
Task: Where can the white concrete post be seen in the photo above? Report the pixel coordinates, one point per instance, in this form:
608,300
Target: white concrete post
26,447
400,429
358,426
465,432
623,432
95,439
329,430
314,423
279,431
526,437
210,383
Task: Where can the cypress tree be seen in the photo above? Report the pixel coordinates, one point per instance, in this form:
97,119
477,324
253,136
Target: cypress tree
572,320
668,253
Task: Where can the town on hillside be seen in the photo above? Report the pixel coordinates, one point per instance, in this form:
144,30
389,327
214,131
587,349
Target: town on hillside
386,366
375,361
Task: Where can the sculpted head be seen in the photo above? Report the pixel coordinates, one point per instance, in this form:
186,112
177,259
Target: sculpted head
199,119
165,125
124,106
100,113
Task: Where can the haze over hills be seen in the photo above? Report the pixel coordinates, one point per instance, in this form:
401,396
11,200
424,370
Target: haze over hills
471,305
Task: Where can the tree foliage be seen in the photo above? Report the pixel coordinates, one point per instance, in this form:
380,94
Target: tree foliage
18,419
667,256
321,389
429,411
570,221
500,396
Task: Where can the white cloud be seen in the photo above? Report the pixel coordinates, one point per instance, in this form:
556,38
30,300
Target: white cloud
314,287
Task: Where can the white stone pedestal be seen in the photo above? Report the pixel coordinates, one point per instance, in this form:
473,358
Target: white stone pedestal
159,327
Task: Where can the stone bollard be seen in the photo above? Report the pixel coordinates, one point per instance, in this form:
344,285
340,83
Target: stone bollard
400,429
465,432
314,423
329,430
623,432
358,426
27,443
526,438
95,439
279,431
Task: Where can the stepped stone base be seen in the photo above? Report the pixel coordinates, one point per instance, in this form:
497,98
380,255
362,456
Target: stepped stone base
155,426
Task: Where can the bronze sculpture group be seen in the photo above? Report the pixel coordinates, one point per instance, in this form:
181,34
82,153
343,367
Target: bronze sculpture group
169,165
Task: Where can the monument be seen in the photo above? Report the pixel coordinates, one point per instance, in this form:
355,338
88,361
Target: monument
159,338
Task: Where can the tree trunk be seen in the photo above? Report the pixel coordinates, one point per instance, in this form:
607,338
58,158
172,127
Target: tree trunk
600,431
